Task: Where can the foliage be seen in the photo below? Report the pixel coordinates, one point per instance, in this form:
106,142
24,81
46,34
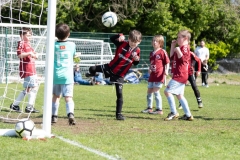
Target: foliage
217,51
212,20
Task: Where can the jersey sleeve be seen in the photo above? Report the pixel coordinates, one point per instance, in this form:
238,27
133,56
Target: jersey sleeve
114,39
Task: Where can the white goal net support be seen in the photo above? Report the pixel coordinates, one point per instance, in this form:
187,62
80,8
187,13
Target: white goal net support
91,52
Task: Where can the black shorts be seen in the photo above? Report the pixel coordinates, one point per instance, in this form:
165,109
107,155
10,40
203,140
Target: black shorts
113,77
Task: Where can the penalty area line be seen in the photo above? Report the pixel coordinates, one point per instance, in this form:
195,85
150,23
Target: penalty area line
87,148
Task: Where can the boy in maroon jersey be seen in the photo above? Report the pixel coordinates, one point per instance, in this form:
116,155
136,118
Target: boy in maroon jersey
159,65
27,71
191,78
181,57
127,53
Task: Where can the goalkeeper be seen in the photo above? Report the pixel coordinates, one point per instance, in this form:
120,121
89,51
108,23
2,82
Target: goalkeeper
127,53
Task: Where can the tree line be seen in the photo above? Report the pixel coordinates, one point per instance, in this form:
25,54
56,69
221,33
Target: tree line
215,21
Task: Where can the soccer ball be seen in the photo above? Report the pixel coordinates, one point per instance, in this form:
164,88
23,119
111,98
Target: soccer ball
24,128
109,19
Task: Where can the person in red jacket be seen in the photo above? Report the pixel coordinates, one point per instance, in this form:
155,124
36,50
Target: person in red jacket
191,78
127,54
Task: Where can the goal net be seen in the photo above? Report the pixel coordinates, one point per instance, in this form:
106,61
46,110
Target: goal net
91,52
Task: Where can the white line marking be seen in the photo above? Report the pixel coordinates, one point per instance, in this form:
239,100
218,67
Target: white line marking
88,149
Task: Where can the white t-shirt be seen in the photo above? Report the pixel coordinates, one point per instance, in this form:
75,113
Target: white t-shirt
202,53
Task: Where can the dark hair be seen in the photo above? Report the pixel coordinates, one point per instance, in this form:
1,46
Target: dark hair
24,31
62,31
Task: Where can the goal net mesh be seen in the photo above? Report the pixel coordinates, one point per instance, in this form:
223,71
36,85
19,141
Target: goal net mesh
91,52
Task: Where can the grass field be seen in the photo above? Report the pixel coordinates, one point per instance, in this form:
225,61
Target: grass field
214,133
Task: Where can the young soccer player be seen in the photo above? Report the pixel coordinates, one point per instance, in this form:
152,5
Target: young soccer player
63,65
180,56
192,79
127,53
27,70
159,65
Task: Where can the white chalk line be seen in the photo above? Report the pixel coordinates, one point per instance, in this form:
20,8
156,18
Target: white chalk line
88,148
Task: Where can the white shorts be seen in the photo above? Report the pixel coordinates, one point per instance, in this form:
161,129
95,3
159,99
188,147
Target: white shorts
66,90
30,82
175,87
155,85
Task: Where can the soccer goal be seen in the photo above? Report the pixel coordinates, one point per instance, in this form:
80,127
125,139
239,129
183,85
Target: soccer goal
91,52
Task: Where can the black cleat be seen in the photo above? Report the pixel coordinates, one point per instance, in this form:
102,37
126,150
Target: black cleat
120,117
71,119
15,108
31,110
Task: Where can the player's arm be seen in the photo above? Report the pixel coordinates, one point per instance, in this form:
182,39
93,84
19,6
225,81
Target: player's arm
173,45
166,68
136,57
117,39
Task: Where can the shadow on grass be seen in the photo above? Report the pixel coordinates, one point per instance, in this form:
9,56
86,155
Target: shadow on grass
212,119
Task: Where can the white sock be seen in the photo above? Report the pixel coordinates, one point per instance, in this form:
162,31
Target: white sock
19,98
158,99
31,97
149,100
55,107
70,107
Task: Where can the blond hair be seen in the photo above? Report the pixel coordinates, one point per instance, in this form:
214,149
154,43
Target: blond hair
159,39
185,34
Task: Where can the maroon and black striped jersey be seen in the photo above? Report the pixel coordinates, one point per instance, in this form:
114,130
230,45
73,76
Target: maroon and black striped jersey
123,58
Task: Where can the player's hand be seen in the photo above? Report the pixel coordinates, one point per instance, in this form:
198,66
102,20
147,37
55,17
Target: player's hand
121,38
198,73
174,42
136,58
36,55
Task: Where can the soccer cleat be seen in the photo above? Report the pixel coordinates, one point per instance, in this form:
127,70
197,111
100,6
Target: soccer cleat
54,118
71,119
171,116
147,110
157,111
92,81
200,105
184,117
120,117
31,109
15,108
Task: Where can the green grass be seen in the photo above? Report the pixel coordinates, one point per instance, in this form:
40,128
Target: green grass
214,133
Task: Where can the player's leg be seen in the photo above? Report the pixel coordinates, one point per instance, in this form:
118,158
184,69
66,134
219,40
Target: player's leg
94,69
15,105
31,85
191,79
169,91
149,98
158,98
206,78
119,102
57,91
187,116
203,73
67,92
